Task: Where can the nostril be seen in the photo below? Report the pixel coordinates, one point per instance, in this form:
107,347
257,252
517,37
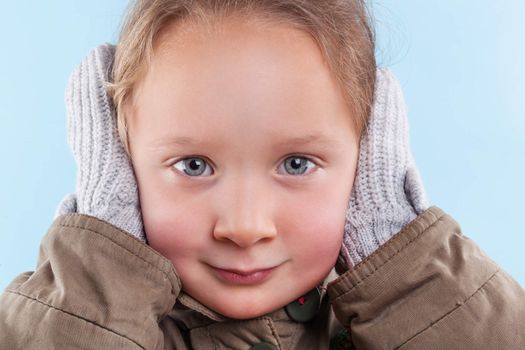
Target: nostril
243,238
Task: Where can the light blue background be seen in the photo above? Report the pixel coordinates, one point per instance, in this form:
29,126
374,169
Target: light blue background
461,68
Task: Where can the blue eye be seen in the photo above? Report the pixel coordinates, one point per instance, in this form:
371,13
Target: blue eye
297,165
193,166
196,166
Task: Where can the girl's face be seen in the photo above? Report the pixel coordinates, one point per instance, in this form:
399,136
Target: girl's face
245,156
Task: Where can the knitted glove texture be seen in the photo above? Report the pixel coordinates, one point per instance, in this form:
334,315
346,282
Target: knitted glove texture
105,184
388,191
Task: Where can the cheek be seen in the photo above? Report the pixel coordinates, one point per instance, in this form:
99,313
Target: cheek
319,237
315,229
171,224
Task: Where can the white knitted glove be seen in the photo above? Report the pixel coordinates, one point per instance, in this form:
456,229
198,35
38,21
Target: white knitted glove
388,191
105,186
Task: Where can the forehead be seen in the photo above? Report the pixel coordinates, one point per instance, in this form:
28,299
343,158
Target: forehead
238,76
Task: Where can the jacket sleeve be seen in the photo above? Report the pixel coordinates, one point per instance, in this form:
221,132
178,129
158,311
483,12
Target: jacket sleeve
94,287
430,287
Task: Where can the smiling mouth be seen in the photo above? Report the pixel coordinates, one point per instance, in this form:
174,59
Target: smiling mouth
251,277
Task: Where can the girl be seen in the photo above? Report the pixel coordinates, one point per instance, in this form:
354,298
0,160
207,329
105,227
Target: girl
245,182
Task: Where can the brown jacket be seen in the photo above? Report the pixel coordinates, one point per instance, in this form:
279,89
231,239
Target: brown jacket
96,287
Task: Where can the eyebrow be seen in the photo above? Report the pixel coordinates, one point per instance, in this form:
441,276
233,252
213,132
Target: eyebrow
319,139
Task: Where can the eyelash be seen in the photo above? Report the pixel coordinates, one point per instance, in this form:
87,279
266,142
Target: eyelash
306,173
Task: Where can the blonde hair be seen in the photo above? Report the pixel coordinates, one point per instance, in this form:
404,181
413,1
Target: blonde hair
341,28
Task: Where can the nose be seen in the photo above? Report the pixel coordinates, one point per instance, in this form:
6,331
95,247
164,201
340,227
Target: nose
245,214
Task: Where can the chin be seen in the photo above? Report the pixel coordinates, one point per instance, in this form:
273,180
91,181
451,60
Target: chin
245,313
246,306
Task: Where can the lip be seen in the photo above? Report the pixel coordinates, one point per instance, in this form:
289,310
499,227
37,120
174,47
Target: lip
251,277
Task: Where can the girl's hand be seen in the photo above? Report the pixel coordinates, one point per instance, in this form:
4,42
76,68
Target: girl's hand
105,187
388,191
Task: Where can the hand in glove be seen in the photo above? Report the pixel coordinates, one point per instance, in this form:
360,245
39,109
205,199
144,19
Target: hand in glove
388,191
105,186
